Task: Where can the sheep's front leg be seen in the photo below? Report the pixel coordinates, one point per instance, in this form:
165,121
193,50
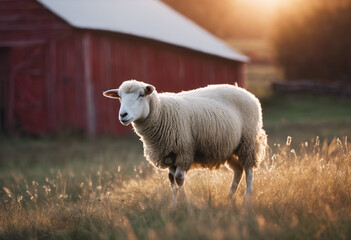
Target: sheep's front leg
180,178
234,164
171,176
238,172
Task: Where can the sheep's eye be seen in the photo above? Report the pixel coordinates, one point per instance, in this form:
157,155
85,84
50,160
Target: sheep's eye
141,95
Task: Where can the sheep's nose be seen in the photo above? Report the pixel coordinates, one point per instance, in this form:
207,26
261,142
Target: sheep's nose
123,114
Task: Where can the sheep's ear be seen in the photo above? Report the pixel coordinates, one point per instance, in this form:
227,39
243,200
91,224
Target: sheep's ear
149,89
112,93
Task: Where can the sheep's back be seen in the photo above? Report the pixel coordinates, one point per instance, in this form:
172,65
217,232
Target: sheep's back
240,101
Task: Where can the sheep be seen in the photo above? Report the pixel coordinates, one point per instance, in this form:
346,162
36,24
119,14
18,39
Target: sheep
202,128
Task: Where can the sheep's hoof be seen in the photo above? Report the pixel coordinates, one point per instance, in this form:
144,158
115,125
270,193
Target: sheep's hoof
230,195
247,199
174,193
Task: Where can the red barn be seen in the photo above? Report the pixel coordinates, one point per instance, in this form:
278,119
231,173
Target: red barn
57,56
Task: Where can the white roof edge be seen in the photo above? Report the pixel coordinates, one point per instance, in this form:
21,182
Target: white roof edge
185,33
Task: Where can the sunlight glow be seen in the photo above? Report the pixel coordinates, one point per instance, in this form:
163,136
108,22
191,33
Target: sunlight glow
271,4
268,5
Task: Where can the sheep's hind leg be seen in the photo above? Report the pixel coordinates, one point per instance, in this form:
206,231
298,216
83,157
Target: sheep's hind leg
247,156
238,172
249,181
171,176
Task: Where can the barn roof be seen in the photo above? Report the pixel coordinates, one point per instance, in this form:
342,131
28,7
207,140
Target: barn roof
150,19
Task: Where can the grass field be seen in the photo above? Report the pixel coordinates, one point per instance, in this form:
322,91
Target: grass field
103,189
79,188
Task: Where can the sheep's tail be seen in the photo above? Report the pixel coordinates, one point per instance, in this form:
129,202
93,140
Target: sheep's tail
261,145
251,151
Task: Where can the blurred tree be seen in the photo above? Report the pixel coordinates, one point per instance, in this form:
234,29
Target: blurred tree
312,40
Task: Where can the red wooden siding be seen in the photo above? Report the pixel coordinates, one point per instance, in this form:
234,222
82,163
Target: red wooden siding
26,21
67,106
56,74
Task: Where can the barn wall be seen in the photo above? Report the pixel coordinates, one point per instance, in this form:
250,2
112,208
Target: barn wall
67,85
45,70
116,58
24,22
45,87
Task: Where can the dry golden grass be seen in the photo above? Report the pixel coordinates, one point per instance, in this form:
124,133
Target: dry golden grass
302,193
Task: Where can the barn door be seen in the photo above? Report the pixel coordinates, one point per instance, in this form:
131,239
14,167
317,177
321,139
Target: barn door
4,80
28,100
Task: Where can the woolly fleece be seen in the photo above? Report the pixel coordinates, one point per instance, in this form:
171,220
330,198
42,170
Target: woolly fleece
205,127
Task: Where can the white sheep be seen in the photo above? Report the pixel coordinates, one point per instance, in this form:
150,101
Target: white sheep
205,127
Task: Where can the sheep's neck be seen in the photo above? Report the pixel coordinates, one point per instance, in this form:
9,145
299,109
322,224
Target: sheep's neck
148,127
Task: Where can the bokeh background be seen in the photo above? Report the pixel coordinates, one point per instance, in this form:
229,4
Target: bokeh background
74,181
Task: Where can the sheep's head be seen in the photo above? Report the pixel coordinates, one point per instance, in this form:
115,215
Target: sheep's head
134,98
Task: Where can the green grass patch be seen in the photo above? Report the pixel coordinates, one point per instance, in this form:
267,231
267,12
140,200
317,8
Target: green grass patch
305,108
303,116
